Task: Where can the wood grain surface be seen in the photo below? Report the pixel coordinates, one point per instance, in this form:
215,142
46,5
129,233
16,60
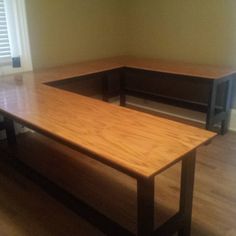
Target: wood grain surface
179,68
139,144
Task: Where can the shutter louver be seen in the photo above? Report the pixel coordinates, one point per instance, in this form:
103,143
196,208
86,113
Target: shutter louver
5,52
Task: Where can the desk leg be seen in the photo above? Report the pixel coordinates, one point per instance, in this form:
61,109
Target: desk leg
146,204
227,107
186,194
211,106
122,89
10,131
223,116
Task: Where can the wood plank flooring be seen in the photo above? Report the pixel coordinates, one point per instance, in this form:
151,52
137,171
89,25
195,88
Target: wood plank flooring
26,210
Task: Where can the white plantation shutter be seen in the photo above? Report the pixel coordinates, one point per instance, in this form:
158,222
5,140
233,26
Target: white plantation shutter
5,52
15,54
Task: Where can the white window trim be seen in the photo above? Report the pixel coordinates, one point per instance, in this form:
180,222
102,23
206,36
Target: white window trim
26,62
233,120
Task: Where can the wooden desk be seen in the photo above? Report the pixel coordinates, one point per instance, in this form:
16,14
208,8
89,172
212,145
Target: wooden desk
137,144
207,89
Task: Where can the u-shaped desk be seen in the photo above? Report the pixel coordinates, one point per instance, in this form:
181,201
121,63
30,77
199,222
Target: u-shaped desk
137,144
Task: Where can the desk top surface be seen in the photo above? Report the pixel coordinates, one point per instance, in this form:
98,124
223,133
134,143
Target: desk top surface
140,144
179,68
172,67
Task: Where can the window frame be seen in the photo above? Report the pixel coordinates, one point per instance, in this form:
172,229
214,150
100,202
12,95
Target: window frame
24,44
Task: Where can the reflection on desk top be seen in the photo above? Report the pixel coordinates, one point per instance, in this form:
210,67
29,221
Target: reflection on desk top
179,68
139,144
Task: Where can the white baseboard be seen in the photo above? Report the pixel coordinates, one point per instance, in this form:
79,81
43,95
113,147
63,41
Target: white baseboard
233,120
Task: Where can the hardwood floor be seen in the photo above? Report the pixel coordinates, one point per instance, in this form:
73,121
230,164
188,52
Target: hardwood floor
26,210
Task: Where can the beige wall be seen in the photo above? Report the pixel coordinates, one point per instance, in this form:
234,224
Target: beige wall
63,31
196,31
66,31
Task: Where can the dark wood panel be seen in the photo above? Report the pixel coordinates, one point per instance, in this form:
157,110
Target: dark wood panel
91,85
164,84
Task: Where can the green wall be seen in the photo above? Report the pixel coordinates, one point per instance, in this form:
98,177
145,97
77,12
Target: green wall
67,31
195,31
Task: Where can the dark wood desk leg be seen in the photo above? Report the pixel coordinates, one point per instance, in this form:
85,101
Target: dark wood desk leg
227,107
225,124
122,88
186,193
211,106
105,89
145,204
10,131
